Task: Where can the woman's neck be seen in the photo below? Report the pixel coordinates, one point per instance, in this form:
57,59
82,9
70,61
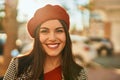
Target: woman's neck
51,63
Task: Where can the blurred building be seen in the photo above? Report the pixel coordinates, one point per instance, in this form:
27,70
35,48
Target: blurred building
105,21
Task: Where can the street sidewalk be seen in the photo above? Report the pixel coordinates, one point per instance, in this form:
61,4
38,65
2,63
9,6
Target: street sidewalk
102,73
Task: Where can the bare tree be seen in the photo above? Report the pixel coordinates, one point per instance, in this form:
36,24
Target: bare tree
10,26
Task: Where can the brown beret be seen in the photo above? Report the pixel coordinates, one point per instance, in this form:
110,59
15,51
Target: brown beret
45,13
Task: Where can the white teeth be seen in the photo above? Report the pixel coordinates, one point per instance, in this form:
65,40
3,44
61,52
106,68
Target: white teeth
53,46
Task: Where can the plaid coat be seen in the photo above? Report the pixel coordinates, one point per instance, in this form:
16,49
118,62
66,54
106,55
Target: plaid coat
12,71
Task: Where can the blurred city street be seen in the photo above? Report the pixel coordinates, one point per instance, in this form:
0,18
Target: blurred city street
103,74
105,68
94,32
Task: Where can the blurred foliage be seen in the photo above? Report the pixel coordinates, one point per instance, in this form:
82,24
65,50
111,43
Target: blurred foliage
1,13
90,6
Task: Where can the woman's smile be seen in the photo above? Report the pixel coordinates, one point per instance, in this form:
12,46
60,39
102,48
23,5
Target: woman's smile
53,45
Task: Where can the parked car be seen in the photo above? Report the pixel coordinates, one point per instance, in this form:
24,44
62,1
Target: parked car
103,46
81,50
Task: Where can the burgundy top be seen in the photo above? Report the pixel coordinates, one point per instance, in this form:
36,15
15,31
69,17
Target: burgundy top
55,74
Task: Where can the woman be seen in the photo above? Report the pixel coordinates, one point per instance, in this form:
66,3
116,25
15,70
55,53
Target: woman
51,57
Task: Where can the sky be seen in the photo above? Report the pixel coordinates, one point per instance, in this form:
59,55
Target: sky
26,9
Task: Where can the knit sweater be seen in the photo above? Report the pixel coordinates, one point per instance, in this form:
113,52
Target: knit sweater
11,73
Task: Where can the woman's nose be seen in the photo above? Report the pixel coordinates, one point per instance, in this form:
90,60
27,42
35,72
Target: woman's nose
52,36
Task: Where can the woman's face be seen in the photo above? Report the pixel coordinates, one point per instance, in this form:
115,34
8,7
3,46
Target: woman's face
52,36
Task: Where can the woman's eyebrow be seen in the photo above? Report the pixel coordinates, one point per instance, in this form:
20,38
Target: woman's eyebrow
48,28
59,28
43,28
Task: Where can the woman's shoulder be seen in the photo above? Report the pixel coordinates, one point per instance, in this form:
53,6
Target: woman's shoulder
83,74
14,60
24,59
82,70
18,59
12,69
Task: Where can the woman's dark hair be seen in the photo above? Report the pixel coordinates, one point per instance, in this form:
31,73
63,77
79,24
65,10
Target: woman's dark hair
35,60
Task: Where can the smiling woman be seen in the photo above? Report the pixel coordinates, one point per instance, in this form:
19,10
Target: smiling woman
51,57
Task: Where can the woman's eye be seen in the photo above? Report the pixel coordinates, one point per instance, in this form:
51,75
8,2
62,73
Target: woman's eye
60,31
43,31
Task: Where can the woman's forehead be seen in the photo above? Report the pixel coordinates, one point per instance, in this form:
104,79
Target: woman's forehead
51,23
